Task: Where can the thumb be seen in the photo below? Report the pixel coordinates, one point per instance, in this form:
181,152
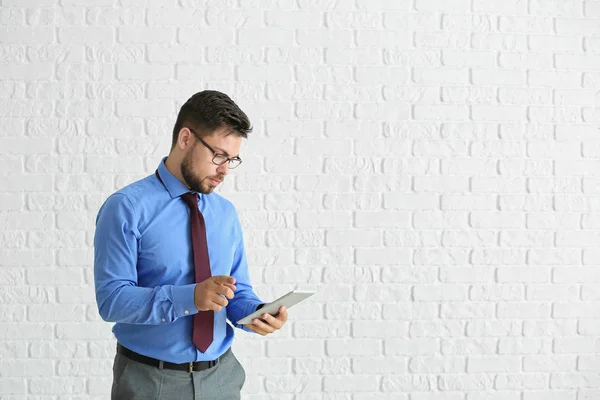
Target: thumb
224,279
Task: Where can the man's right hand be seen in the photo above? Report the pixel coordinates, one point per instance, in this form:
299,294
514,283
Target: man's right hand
212,294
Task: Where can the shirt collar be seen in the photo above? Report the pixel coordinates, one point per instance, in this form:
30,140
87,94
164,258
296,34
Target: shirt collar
174,186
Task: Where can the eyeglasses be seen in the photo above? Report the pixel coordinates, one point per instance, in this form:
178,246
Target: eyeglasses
219,159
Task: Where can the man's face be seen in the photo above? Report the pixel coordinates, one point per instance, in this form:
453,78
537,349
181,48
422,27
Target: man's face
197,168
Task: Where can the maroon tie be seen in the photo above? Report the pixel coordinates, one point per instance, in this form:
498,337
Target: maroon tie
204,320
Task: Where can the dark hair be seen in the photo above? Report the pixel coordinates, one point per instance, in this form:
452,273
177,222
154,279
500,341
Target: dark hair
209,110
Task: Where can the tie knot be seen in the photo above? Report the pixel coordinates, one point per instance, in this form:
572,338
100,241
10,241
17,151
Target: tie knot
191,199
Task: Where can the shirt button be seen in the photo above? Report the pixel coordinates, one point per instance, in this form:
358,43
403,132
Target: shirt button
164,320
186,312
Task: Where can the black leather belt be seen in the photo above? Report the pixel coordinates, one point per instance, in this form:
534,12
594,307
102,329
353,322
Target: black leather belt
189,366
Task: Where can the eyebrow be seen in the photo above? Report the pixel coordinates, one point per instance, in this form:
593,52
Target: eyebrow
226,153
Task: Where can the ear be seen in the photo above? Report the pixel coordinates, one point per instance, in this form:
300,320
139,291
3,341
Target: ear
184,140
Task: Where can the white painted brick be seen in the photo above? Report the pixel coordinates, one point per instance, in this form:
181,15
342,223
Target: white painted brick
524,346
500,42
526,24
456,274
27,35
318,256
498,292
515,60
136,35
486,328
473,202
469,95
523,310
409,274
579,310
94,35
463,382
587,327
572,61
411,21
379,329
502,220
410,166
436,329
440,293
410,311
453,6
287,201
525,96
562,79
381,219
411,347
562,327
110,17
468,131
56,385
344,20
436,256
429,76
375,147
494,364
345,311
356,383
353,238
468,23
440,112
510,7
353,347
524,274
325,219
498,113
379,292
504,395
577,26
446,184
407,383
437,364
346,93
548,363
521,381
442,40
574,380
588,293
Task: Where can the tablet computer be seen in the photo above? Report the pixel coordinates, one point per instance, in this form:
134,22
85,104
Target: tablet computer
288,300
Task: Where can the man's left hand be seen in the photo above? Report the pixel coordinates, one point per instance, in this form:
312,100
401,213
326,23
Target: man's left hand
269,323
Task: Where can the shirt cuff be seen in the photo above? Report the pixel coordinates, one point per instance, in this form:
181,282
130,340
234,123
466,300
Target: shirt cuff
183,300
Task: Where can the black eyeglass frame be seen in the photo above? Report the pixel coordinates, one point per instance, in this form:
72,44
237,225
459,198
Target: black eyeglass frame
217,154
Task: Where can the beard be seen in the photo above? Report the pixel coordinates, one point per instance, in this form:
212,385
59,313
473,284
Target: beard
195,184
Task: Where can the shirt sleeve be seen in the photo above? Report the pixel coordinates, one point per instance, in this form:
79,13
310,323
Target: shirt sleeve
244,301
118,296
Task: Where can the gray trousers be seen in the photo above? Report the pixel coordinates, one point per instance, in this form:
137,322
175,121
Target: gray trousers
133,380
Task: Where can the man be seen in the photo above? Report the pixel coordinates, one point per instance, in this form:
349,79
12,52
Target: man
170,266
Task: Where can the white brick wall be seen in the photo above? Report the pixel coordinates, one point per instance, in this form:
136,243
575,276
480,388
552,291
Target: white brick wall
431,166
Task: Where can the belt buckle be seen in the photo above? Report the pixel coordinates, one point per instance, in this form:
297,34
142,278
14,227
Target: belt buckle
191,367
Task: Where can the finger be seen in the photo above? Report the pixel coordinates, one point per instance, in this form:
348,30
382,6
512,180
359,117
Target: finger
230,286
274,322
225,291
219,301
257,330
222,279
282,315
263,326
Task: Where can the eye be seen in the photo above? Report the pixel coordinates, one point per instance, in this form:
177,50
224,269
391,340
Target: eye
220,158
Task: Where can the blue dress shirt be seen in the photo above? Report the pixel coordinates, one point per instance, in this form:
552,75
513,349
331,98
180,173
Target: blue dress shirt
144,271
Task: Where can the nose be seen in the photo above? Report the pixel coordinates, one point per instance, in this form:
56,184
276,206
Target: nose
223,169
